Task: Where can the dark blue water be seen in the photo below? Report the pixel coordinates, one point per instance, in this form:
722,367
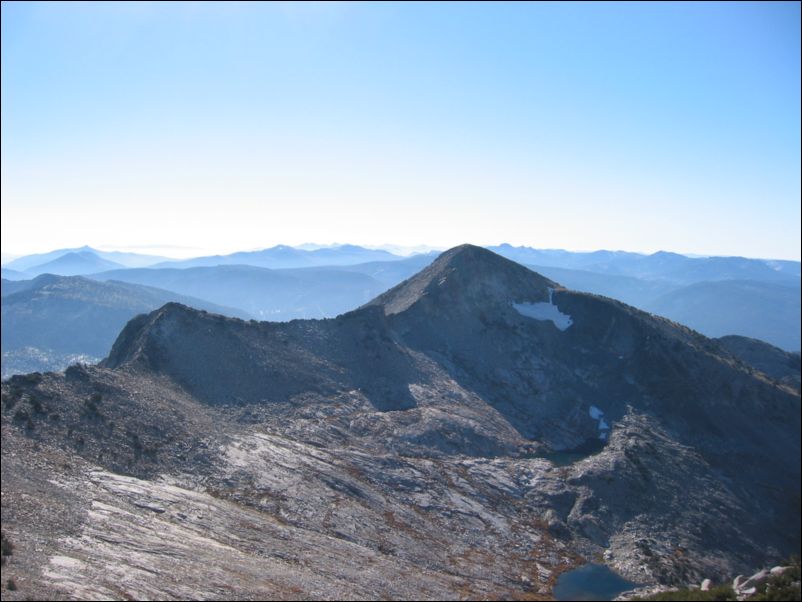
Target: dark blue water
590,582
567,457
562,458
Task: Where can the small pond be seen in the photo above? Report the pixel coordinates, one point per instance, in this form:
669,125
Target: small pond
563,458
567,457
591,582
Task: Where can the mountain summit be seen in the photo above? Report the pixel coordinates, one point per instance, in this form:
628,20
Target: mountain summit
75,263
474,409
466,276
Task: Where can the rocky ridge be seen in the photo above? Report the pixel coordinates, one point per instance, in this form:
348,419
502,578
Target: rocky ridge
421,434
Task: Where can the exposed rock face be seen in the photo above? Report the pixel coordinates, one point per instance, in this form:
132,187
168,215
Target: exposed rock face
404,436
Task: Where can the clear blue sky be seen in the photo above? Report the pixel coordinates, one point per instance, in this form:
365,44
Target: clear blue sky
240,125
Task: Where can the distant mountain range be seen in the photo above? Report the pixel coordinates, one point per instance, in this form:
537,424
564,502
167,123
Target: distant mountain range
767,310
74,263
9,274
283,256
86,260
766,306
762,310
52,321
31,264
263,293
472,432
662,265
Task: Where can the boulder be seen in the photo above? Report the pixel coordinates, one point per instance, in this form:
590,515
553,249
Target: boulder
755,579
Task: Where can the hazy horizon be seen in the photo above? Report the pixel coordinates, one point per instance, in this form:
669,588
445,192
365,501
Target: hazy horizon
224,127
175,252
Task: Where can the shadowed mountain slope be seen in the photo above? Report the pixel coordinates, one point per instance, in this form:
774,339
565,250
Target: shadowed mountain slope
780,365
52,320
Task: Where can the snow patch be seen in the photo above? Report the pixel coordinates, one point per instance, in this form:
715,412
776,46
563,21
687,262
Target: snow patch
545,311
598,415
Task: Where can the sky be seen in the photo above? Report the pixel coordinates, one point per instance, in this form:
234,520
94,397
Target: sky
220,127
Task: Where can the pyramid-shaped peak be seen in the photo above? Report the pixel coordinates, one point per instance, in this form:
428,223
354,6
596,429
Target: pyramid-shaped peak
467,277
476,263
468,252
